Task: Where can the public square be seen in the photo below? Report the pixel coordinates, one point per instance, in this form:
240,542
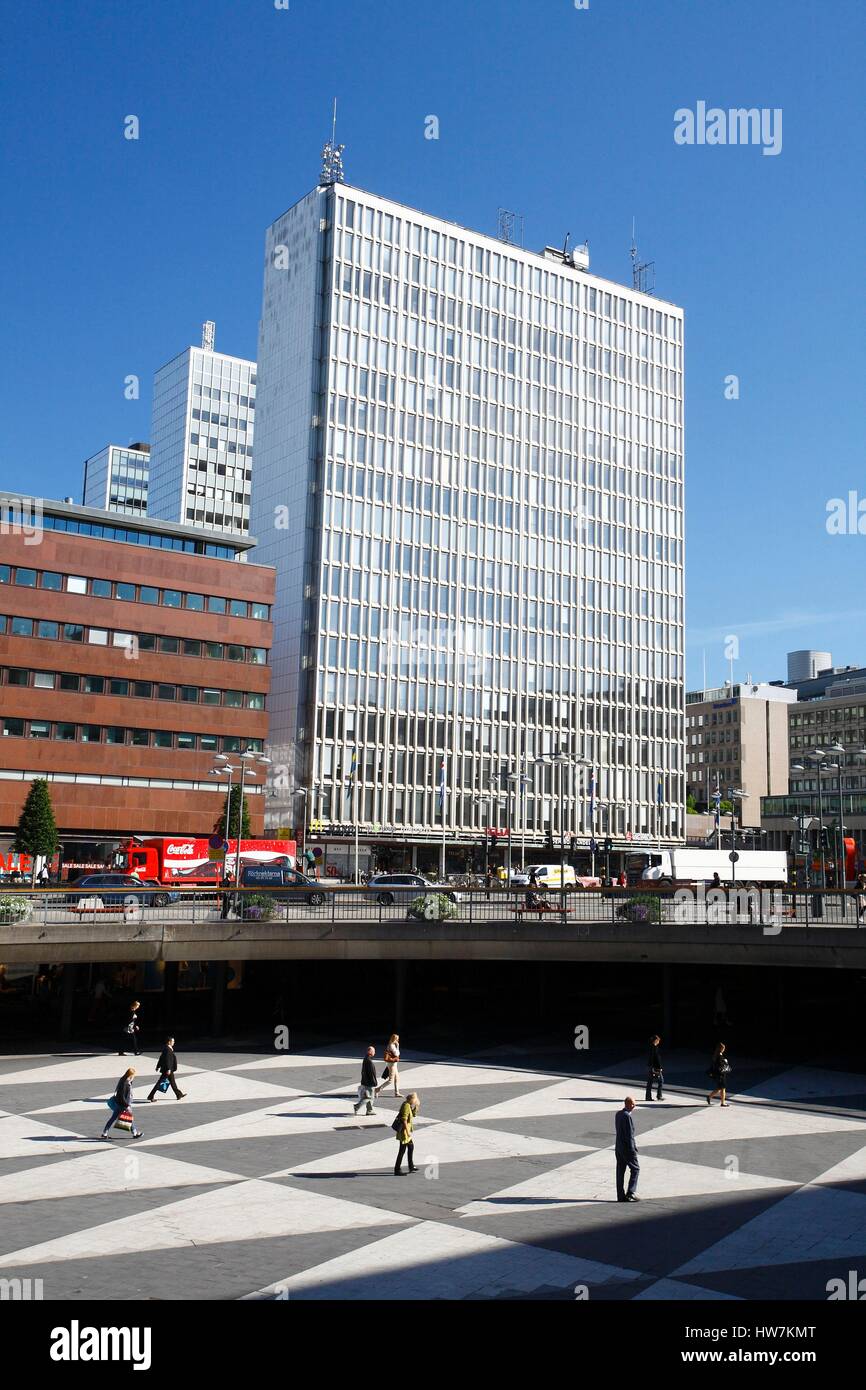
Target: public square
262,1184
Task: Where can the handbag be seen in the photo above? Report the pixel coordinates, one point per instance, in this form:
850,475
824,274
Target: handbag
124,1120
163,1085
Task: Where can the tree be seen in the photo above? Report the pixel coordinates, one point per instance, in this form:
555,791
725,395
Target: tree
232,832
725,808
36,834
691,804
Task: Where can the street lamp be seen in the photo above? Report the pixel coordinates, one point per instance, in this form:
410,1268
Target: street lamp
521,779
735,794
227,768
838,751
560,760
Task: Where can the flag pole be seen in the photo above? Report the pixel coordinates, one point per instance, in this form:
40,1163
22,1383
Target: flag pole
442,803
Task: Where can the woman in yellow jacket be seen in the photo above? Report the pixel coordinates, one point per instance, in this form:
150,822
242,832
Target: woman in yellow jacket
403,1129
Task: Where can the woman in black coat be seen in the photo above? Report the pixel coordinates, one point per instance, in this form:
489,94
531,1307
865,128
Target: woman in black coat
654,1069
120,1101
720,1069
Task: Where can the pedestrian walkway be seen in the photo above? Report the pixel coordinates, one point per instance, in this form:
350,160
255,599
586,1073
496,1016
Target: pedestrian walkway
263,1184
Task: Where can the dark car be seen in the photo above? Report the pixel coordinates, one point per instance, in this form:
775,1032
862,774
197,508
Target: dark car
298,887
116,889
386,889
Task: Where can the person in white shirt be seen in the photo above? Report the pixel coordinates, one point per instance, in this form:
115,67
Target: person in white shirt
392,1060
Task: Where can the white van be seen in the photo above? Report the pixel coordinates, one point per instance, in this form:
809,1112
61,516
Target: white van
547,876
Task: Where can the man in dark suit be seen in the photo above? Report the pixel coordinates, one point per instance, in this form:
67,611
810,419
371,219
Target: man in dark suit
626,1153
166,1067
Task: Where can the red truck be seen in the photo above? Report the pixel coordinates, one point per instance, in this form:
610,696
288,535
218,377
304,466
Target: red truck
180,859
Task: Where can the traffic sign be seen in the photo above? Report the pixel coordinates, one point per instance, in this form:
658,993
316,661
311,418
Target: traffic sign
217,842
216,856
733,856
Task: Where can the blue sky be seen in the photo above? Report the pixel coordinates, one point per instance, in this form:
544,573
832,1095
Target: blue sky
115,251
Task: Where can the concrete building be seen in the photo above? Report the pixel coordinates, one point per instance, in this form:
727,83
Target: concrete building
201,450
131,653
116,479
469,477
737,737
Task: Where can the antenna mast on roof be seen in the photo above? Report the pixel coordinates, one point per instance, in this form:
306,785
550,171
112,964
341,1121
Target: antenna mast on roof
643,277
332,155
208,335
510,227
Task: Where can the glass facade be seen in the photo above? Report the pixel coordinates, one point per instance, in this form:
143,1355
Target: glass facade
469,476
116,479
202,440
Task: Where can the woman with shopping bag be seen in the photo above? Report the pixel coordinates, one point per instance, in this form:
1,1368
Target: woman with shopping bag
120,1106
392,1061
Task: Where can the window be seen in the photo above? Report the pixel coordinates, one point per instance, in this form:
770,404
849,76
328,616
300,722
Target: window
166,692
39,728
191,647
234,652
65,732
115,735
146,642
255,701
77,584
214,650
189,693
26,578
210,697
147,594
73,632
118,687
169,644
22,627
15,676
142,690
45,628
234,699
90,733
161,738
44,680
70,682
195,603
94,685
123,639
139,738
216,605
53,581
100,588
258,655
231,745
208,743
125,592
98,637
171,598
5,574
260,610
13,728
186,741
238,608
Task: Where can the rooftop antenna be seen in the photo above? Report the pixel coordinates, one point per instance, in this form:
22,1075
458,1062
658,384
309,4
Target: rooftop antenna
208,335
565,245
332,155
643,276
510,227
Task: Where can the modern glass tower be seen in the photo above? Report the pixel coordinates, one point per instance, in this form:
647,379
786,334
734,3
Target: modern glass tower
116,479
202,438
469,476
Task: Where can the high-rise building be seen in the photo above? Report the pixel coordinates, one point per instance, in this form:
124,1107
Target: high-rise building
116,479
201,450
469,477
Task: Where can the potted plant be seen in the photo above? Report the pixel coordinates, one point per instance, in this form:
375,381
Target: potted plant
432,907
258,907
14,908
643,907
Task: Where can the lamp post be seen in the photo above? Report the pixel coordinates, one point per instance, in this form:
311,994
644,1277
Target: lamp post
735,794
249,756
520,779
838,752
561,760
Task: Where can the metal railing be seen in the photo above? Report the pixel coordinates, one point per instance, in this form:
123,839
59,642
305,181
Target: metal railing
773,908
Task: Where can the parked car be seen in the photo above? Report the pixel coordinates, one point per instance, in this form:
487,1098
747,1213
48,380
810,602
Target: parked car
116,889
386,889
298,887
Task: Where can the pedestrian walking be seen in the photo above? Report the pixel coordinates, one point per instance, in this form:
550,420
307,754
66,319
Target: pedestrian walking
625,1150
861,897
369,1082
225,885
720,1070
131,1031
121,1107
392,1061
488,884
402,1127
654,1069
166,1068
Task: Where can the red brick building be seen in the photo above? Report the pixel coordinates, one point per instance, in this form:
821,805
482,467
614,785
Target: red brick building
132,651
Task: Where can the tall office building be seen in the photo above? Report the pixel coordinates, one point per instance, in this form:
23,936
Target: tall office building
116,479
469,477
201,450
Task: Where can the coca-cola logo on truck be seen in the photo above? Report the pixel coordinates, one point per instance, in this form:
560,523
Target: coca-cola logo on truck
182,849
